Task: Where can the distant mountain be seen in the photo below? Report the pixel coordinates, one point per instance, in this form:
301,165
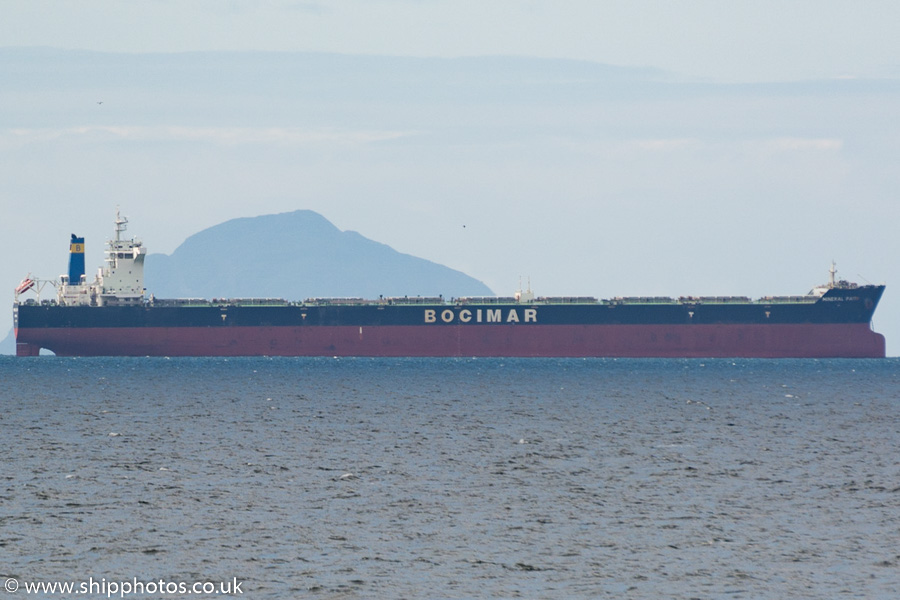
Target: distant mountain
8,345
296,255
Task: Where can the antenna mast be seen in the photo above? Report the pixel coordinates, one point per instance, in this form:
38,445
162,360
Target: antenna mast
121,222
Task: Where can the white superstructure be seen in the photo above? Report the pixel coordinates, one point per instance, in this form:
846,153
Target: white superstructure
121,281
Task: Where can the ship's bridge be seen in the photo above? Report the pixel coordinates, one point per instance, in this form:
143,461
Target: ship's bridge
121,281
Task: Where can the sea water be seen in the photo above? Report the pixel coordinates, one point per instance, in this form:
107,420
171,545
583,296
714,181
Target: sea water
442,478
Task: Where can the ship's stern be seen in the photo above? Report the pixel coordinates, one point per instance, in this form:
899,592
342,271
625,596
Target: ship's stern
23,347
27,349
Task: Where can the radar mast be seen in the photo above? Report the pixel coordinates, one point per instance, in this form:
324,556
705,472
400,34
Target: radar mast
121,223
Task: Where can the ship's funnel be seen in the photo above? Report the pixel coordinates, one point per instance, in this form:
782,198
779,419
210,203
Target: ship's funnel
76,260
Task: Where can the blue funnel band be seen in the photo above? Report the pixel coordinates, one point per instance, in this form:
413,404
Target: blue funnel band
76,260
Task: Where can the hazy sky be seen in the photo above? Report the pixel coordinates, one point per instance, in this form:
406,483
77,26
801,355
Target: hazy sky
759,40
735,148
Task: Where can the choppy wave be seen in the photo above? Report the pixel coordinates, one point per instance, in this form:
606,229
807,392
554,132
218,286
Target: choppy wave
421,478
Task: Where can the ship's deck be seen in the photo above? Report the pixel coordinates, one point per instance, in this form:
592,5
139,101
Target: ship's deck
479,300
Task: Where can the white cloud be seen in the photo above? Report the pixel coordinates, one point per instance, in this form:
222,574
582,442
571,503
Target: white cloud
225,136
820,144
662,145
779,144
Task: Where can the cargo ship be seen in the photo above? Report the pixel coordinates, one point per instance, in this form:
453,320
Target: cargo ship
112,315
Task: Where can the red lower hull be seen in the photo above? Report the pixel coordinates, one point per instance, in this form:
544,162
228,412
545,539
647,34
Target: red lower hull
844,340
